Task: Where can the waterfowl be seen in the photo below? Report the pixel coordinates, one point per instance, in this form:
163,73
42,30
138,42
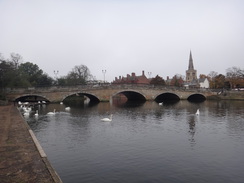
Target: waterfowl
107,119
198,112
26,114
52,113
67,108
36,114
27,109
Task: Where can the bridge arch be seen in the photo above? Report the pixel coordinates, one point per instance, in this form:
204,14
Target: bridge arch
131,95
167,97
92,97
196,97
32,98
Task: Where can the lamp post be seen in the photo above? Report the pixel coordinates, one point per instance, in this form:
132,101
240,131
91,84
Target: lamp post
104,72
56,74
149,74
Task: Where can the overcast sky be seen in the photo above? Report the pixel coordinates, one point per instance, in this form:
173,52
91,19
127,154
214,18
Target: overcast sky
124,36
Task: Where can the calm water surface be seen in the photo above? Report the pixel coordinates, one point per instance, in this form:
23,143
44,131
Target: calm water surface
145,142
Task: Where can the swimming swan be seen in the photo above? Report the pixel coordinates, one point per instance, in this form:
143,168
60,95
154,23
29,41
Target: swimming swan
52,113
36,114
198,112
26,114
107,119
67,108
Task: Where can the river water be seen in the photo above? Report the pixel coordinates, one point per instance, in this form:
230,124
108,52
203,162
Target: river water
145,142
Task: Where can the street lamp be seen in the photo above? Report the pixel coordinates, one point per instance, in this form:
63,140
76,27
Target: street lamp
104,72
56,74
149,73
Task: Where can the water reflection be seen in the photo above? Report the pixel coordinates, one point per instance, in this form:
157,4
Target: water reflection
164,142
192,129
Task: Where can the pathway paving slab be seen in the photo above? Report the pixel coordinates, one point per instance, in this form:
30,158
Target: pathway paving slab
20,160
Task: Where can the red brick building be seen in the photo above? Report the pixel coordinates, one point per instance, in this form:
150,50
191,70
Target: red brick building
132,79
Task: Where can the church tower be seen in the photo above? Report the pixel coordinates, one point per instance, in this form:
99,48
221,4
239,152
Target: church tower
191,74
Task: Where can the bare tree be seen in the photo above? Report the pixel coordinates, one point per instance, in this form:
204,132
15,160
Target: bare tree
212,78
79,75
16,59
1,58
235,76
212,74
235,72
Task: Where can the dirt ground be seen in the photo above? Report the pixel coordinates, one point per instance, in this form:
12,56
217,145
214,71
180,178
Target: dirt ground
20,160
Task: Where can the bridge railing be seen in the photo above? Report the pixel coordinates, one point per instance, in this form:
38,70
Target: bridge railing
103,86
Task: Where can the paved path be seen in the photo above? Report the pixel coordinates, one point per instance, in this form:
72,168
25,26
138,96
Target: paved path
20,160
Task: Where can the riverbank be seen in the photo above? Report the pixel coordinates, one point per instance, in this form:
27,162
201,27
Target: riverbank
21,157
228,95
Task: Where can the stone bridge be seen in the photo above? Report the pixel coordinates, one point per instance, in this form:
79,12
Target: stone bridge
102,93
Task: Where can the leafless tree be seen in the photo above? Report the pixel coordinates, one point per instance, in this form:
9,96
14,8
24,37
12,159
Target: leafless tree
16,59
79,75
235,76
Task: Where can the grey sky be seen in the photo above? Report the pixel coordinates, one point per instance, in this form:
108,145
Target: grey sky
124,36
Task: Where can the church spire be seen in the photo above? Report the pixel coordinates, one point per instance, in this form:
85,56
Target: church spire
190,67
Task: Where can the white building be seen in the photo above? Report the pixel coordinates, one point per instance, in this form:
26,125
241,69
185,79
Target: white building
203,82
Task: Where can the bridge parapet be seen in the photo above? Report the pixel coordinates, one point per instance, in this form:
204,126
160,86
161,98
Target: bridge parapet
103,86
103,92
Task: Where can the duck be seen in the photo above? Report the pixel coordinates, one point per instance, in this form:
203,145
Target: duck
160,103
107,119
52,113
198,112
67,108
61,103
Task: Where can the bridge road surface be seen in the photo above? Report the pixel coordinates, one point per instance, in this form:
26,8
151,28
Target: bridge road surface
20,159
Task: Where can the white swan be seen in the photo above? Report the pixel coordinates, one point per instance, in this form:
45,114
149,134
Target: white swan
107,119
36,114
67,108
27,109
52,113
26,113
198,112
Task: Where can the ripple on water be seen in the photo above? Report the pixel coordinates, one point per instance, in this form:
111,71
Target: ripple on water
148,143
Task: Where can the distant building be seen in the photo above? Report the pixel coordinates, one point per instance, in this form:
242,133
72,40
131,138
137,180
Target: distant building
203,83
175,81
168,81
132,79
191,75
